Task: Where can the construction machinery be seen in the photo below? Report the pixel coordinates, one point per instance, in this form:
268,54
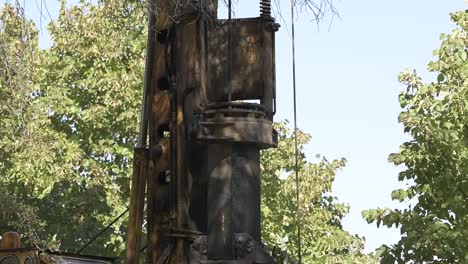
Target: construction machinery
207,111
12,252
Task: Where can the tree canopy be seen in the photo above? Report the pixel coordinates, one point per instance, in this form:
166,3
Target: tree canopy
323,237
434,226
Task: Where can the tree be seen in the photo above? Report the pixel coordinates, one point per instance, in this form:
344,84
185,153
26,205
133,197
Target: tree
18,47
24,135
47,160
434,227
323,238
93,86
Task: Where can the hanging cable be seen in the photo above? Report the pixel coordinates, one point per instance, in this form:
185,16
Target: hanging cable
229,50
102,231
296,148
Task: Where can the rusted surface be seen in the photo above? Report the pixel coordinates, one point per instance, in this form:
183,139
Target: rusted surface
220,244
158,198
10,240
29,256
137,199
245,60
246,251
161,108
251,60
238,129
159,189
203,155
18,256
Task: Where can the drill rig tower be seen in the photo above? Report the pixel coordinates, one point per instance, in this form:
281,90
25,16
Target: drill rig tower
207,111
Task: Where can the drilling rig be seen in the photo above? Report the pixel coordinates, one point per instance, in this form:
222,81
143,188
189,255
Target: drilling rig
207,111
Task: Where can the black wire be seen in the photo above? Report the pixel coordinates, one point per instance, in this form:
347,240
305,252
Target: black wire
296,148
229,50
102,231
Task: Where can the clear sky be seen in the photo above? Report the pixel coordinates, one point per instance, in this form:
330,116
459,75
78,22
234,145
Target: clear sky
347,88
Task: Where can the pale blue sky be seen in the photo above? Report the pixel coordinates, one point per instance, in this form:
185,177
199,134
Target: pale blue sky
348,89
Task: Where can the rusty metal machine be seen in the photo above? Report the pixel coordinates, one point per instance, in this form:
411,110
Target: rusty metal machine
12,252
207,111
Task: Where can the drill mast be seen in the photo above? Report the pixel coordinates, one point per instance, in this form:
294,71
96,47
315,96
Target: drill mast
207,112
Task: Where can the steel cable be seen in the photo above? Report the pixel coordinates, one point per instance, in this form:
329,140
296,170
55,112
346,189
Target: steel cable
296,148
102,231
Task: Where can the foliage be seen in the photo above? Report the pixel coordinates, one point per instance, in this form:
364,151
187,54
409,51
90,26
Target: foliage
71,144
92,87
18,45
23,150
323,238
434,227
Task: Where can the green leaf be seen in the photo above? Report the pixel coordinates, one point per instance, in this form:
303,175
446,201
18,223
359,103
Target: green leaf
440,78
433,160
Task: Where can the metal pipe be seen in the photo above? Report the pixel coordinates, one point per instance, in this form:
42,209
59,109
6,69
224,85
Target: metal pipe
233,196
245,169
220,204
138,184
143,136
